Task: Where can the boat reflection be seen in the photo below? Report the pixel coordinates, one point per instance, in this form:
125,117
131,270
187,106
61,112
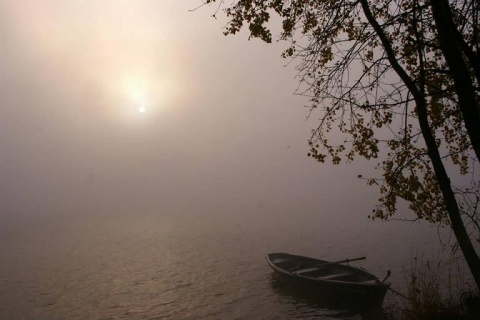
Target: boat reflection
330,307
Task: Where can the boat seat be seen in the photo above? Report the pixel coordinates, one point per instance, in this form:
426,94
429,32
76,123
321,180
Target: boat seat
369,282
280,260
336,275
307,270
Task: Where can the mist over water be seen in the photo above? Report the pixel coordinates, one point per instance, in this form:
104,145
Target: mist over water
111,213
203,263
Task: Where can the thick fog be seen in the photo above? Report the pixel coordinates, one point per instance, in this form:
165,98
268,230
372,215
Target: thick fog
221,128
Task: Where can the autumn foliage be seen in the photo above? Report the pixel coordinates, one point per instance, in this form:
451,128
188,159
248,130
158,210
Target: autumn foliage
394,81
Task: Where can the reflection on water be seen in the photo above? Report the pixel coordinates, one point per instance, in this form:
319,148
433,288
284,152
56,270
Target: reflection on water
304,297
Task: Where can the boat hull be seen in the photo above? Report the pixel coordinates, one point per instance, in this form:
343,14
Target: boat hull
366,292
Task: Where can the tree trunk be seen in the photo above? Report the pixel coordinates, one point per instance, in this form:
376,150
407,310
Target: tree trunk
451,204
459,70
441,175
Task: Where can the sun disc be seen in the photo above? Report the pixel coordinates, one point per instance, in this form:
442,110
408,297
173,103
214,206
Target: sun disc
142,109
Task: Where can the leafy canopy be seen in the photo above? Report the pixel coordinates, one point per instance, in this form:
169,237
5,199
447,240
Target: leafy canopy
365,108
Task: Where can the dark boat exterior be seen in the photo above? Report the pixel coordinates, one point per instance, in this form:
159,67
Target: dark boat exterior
331,281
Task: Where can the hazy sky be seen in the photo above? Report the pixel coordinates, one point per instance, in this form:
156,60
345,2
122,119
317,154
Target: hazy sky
221,125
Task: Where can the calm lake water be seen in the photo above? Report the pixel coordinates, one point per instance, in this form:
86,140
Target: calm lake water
186,264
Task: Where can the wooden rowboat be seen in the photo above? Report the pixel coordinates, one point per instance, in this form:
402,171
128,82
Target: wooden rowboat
330,280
